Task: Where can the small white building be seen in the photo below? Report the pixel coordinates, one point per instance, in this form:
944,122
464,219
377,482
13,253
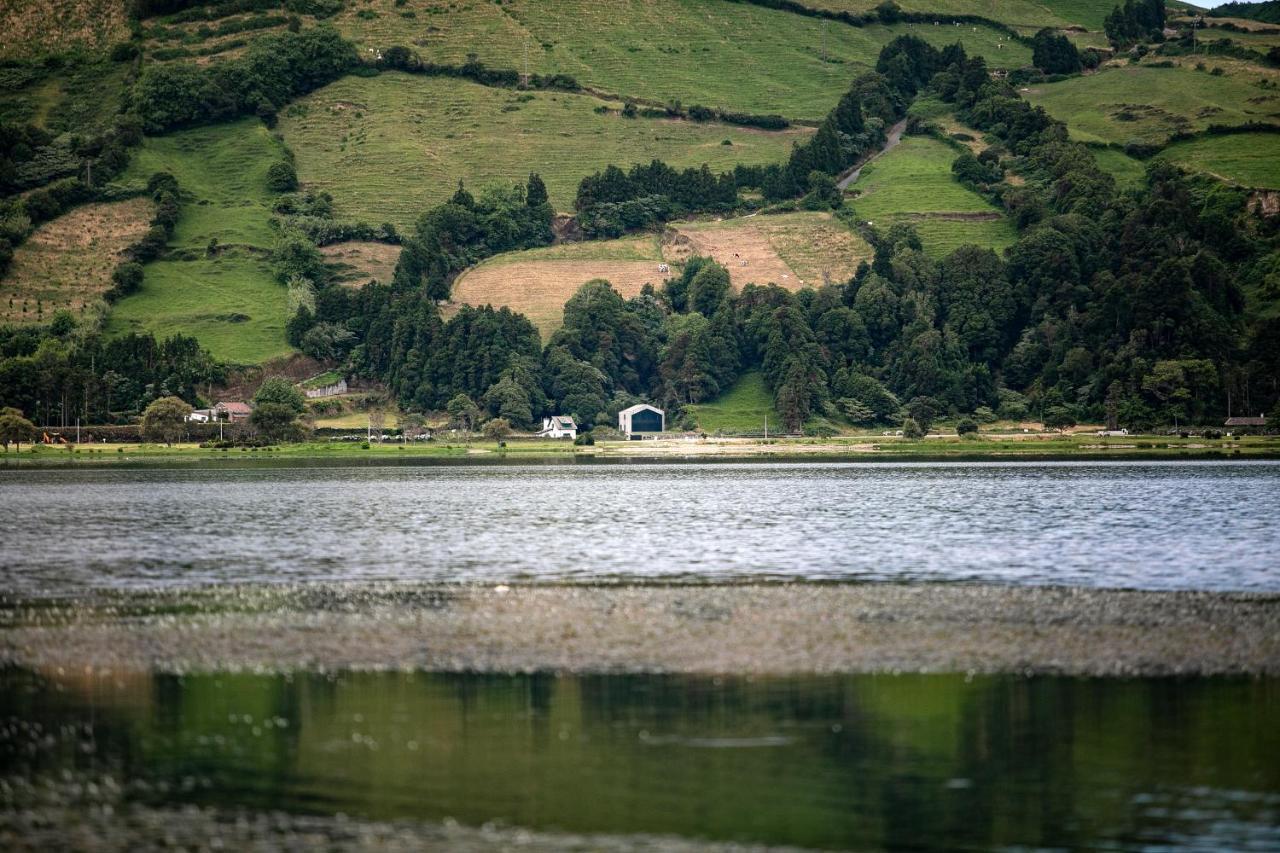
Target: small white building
640,420
200,416
558,426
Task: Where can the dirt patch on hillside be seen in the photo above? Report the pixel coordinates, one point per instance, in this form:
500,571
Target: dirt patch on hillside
539,289
792,251
357,263
67,263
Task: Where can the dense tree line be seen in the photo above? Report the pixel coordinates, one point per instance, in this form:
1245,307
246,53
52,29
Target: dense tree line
60,372
1136,20
1053,53
1267,12
272,71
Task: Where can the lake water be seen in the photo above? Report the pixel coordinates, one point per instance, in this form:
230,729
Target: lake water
862,762
1164,525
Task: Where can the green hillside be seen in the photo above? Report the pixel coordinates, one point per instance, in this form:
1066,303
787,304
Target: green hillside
390,146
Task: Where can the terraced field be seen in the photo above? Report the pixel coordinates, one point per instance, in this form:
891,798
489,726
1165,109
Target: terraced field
913,183
67,262
391,146
783,63
1146,104
34,27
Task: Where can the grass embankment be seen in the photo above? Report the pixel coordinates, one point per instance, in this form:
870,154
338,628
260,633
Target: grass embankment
37,27
229,301
67,262
746,407
1146,104
868,447
913,183
391,146
782,62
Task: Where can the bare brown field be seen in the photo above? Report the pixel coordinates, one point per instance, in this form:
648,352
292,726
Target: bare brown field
34,27
539,288
791,250
67,263
357,262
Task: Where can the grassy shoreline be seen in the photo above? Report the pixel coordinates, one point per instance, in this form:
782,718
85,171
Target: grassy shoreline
840,449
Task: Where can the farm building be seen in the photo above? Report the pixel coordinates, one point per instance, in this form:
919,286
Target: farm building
558,426
1260,421
200,416
232,411
640,419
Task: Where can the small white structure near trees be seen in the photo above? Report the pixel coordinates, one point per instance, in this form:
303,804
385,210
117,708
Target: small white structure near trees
640,419
200,416
558,426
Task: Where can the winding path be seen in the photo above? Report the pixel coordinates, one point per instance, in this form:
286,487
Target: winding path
895,136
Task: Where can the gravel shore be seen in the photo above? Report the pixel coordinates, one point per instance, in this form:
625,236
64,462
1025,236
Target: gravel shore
767,628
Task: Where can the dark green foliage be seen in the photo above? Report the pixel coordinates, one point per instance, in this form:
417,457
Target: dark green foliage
1135,21
1268,12
1053,53
274,70
282,177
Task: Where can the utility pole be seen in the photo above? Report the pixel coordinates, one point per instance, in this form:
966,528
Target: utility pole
766,427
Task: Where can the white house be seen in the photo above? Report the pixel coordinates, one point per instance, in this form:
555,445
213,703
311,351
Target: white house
558,426
640,419
200,416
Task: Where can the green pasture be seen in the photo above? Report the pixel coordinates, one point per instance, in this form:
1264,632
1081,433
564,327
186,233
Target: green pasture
742,408
389,147
1128,172
231,304
1249,159
1146,104
680,49
913,183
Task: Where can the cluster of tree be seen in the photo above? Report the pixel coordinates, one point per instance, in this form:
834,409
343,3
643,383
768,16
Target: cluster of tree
400,58
1053,53
1267,12
613,201
888,13
60,372
273,70
1135,21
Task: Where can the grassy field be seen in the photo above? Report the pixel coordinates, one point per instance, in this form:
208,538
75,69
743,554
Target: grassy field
36,27
222,172
792,249
231,304
1249,159
1127,171
913,183
357,263
1121,104
782,62
67,263
743,408
538,282
1016,13
391,146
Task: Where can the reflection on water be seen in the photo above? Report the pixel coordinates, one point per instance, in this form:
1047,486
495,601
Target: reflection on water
1145,525
859,761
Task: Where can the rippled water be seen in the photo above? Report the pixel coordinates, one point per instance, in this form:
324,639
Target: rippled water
1211,525
860,762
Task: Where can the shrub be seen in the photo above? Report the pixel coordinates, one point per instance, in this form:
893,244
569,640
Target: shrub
282,177
966,426
912,430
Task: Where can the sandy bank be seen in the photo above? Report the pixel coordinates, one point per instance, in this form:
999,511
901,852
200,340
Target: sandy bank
747,629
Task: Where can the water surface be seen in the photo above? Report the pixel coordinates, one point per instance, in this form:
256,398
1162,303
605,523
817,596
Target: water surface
862,762
1161,525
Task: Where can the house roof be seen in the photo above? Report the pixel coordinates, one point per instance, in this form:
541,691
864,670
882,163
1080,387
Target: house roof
563,421
235,407
1258,421
641,407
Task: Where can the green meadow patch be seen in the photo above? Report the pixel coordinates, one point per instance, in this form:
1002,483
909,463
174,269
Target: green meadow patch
391,146
1128,171
1249,159
1145,104
680,49
743,408
231,304
913,183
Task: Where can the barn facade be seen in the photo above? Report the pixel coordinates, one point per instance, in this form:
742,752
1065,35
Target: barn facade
641,420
